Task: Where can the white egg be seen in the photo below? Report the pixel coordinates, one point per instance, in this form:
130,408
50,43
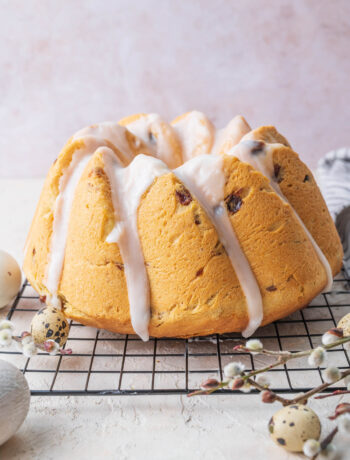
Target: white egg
14,400
10,278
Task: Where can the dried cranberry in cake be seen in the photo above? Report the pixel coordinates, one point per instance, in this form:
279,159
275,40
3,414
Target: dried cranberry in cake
256,147
233,203
152,137
277,173
271,288
184,196
197,219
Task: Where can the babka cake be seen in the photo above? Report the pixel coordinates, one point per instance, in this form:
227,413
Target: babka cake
179,229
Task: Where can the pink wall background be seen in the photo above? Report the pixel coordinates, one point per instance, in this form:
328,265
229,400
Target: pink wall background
69,63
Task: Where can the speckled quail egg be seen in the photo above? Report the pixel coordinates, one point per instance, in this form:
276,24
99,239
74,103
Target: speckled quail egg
50,323
291,426
344,323
10,278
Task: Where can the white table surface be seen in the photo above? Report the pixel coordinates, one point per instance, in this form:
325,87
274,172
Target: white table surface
134,427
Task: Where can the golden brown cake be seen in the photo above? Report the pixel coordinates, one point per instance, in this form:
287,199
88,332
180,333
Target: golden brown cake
180,230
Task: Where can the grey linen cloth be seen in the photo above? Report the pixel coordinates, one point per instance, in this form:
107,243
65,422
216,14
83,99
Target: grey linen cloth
333,177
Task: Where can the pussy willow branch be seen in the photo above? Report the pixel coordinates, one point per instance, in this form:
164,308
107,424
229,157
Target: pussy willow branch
259,387
287,355
327,440
62,351
284,401
209,391
282,358
318,389
335,393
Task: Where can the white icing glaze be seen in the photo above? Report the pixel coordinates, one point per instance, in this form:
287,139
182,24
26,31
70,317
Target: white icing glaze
202,175
63,204
263,162
113,133
196,134
159,144
205,179
126,196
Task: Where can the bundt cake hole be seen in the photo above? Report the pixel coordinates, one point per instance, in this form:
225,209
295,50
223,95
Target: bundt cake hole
306,178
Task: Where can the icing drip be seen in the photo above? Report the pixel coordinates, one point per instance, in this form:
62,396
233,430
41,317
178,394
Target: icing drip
204,177
63,204
131,175
126,196
196,134
113,133
260,156
156,134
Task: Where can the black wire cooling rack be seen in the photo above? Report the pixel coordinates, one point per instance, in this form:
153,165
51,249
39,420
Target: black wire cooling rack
103,363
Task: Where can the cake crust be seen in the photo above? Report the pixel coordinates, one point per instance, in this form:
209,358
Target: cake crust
193,286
